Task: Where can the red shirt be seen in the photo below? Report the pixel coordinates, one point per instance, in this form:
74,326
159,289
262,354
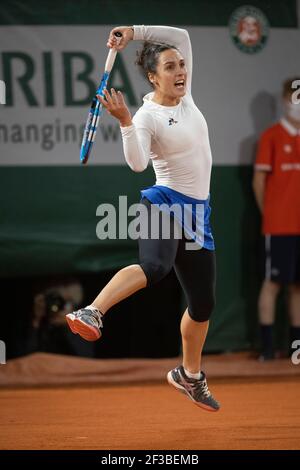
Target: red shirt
279,155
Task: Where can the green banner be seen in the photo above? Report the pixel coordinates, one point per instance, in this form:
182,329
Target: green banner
281,14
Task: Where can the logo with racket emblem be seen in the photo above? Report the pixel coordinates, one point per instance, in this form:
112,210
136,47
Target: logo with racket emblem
249,29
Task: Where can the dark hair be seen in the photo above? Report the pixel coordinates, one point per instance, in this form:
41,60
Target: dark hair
147,57
287,88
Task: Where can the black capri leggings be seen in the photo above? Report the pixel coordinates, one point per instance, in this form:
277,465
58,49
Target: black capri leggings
195,269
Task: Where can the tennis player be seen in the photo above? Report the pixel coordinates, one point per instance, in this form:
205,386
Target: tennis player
170,130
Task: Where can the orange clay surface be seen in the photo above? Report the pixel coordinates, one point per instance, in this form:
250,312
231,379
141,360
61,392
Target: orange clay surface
256,414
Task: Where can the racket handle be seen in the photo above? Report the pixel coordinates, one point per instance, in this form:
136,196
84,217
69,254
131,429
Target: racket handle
112,53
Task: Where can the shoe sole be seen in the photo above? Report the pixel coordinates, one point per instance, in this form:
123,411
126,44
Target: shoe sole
78,327
87,332
70,320
181,389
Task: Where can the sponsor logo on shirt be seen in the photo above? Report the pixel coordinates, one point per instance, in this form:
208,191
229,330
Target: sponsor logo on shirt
290,166
172,121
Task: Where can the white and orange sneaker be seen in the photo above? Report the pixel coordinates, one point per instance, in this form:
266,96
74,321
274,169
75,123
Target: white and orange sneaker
87,322
196,390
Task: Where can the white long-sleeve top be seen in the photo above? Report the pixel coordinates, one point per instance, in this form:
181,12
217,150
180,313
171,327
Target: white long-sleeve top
180,151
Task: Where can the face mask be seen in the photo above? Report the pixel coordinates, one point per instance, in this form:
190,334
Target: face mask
293,111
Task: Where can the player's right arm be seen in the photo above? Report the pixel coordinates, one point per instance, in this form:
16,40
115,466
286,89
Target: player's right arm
136,146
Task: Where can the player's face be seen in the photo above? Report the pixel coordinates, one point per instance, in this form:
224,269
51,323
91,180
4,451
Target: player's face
291,110
171,74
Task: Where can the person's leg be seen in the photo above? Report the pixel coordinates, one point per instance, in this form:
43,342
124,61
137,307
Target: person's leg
157,257
275,271
123,284
267,302
266,310
87,322
196,273
294,313
193,338
294,296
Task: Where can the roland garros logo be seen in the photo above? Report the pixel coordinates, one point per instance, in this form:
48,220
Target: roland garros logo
249,29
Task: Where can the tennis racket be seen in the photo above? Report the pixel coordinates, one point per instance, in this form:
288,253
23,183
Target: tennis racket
90,130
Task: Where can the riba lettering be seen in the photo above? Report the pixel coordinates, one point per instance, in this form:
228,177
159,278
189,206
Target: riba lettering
21,71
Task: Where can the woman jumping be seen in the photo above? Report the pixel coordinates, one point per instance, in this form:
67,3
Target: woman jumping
170,130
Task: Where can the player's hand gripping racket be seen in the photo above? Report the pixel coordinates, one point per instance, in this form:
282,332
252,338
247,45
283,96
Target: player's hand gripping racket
96,108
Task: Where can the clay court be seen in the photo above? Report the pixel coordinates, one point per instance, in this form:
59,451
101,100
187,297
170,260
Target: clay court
117,405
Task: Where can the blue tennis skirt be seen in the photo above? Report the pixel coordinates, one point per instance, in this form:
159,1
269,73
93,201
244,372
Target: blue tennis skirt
193,214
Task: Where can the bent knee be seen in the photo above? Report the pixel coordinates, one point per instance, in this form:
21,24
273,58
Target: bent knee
201,311
155,272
